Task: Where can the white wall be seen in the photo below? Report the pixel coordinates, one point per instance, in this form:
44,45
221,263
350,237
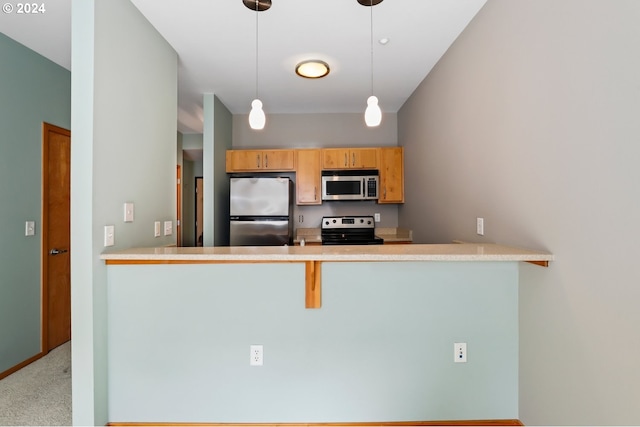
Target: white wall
530,120
124,98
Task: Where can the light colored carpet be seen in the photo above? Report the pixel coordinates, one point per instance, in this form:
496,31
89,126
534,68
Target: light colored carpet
40,393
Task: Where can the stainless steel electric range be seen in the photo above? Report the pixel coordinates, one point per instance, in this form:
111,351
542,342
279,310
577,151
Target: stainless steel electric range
349,230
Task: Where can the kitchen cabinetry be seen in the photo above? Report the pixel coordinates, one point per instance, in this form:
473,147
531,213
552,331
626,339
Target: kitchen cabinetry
391,168
309,163
308,190
350,158
260,160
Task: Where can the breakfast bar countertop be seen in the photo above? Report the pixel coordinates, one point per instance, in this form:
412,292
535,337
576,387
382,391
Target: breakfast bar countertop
354,253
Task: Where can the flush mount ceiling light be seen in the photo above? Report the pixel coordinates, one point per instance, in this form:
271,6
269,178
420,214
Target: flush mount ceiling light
258,6
373,113
257,118
312,69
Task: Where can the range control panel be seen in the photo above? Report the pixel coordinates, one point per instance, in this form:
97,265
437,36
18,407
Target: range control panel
329,222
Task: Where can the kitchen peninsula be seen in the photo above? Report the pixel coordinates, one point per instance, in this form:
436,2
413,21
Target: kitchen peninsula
181,321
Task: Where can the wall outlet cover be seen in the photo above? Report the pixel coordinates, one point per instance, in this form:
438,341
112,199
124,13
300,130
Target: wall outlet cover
256,353
460,352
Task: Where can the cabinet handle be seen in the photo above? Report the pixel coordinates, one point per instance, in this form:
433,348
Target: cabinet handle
257,161
315,193
266,160
385,193
345,160
353,155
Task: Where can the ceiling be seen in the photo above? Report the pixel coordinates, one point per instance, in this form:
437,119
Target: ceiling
216,44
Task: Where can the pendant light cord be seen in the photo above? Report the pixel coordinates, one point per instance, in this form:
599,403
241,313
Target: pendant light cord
256,49
371,26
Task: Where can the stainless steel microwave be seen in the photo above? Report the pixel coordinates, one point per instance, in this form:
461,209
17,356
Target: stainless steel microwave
350,185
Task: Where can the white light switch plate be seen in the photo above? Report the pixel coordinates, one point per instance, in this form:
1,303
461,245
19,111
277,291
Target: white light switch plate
109,235
29,228
128,212
156,229
480,226
168,228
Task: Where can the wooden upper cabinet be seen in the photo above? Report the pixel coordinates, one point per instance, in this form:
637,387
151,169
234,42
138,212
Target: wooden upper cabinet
391,175
260,160
350,158
308,177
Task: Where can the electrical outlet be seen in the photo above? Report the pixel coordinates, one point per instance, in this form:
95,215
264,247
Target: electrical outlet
256,355
376,217
168,228
460,352
480,226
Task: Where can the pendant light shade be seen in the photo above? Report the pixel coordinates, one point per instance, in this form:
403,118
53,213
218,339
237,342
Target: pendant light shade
373,113
257,118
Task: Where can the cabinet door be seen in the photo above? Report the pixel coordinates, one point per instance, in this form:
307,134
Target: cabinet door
308,181
364,158
335,158
391,175
277,160
244,160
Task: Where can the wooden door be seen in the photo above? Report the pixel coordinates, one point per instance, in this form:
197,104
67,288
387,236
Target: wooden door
199,211
56,236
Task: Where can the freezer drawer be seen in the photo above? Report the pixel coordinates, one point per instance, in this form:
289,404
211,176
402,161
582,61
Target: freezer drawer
259,233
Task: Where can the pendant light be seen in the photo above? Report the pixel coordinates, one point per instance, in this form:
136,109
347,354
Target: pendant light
257,117
373,113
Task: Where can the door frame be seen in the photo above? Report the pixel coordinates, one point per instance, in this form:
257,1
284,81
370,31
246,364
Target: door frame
44,221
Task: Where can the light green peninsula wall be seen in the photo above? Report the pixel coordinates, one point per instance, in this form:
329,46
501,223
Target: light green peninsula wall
379,349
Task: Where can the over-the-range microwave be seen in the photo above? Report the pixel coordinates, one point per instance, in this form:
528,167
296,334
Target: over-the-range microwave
350,185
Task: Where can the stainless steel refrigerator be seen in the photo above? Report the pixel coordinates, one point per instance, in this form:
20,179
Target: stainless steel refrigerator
261,212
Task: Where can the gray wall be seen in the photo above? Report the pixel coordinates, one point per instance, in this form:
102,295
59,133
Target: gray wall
530,120
34,90
124,109
322,130
216,140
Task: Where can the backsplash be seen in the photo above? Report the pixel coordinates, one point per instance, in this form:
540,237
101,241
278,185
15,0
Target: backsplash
311,216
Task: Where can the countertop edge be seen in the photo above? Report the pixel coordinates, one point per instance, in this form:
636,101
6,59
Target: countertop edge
378,253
